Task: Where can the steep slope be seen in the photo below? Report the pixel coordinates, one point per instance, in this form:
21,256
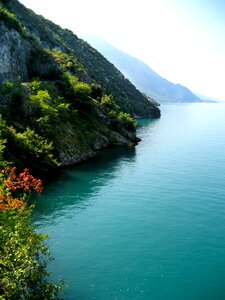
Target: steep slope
59,98
142,76
96,67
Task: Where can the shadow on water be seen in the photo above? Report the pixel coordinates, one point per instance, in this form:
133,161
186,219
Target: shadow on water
76,186
146,122
146,125
73,185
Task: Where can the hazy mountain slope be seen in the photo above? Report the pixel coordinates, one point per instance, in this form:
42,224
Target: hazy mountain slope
142,76
208,98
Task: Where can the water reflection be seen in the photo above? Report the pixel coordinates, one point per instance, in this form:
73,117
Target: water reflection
82,182
143,123
146,126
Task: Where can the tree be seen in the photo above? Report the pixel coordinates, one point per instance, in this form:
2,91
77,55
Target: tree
23,253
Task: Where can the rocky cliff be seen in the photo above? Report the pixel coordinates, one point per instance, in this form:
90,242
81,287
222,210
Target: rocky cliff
36,29
60,99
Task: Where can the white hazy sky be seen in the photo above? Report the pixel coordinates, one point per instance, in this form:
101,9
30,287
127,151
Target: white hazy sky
181,40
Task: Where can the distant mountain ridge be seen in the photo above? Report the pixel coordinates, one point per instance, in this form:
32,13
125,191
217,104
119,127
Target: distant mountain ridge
208,99
142,76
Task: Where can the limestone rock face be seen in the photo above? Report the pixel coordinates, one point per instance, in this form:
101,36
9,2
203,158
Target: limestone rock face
14,51
70,154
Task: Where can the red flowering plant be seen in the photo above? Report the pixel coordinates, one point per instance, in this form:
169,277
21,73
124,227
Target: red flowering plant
16,188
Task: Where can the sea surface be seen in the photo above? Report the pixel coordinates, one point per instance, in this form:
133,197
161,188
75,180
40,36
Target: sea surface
145,222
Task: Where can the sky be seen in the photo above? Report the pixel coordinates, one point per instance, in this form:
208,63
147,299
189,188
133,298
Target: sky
181,40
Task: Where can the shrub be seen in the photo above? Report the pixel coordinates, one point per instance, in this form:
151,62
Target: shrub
10,19
15,189
127,121
34,149
35,85
44,101
13,95
68,63
23,272
121,120
96,91
27,148
23,253
107,103
78,94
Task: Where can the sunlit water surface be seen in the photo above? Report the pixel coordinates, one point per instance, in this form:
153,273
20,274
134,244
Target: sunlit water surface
144,223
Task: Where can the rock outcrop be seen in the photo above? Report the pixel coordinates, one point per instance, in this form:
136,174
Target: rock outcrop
54,97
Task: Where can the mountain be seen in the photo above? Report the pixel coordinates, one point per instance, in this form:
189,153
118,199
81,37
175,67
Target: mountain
97,68
142,76
60,100
208,99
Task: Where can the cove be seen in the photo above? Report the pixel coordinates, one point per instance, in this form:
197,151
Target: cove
145,222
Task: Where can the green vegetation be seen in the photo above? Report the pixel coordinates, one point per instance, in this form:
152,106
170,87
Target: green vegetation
41,119
23,272
78,58
23,253
68,63
11,20
47,123
26,148
126,121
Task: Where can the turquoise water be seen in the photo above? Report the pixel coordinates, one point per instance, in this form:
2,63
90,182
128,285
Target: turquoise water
144,223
